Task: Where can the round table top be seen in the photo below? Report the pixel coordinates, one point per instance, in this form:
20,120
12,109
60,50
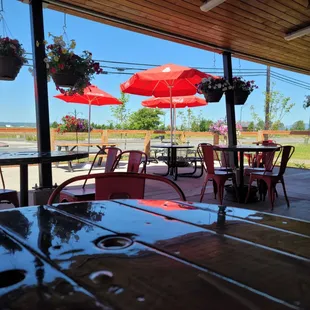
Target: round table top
246,148
169,146
18,158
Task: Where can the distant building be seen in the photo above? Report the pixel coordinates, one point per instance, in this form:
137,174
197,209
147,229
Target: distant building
245,125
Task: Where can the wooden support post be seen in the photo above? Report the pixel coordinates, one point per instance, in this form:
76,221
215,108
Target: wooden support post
104,137
216,139
260,135
53,138
147,143
183,137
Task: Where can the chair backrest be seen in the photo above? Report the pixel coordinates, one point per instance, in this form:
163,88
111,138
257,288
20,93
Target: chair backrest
205,151
2,179
224,159
268,157
118,185
112,153
287,152
135,159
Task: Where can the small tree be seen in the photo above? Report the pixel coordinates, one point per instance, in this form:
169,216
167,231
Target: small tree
54,124
145,118
299,125
279,106
205,124
307,105
120,112
260,125
251,126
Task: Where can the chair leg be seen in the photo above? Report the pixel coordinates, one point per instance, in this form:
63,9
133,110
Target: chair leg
236,188
203,188
271,193
249,190
284,191
221,193
215,188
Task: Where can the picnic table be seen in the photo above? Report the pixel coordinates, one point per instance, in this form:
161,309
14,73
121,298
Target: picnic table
71,146
173,162
23,159
148,254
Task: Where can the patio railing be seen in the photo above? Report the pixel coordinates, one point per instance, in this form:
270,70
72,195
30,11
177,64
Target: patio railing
142,139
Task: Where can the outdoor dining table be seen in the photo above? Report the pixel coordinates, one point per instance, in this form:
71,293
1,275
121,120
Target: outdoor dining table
241,149
148,254
23,159
71,146
172,160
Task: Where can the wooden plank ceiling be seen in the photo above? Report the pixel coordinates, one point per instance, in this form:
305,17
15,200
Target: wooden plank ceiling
250,29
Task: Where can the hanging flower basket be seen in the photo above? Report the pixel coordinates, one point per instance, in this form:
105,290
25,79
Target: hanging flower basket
242,89
213,88
213,95
240,96
9,67
67,69
12,58
65,78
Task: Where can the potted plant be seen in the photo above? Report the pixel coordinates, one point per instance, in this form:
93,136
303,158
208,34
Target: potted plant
219,128
72,124
68,69
213,88
242,89
12,58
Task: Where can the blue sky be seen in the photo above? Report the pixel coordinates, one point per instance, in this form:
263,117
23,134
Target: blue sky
109,43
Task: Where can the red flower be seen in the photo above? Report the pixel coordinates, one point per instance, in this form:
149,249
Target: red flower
61,66
53,70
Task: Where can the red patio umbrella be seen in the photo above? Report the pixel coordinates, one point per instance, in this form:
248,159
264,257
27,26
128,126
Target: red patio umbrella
177,103
92,96
166,80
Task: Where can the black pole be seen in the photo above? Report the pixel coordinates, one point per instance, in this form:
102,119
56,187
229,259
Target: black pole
40,89
267,103
230,107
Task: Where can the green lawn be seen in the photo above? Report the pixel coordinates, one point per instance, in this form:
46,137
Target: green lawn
301,157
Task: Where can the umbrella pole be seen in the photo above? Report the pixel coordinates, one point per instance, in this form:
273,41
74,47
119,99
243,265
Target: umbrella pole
171,116
174,121
89,115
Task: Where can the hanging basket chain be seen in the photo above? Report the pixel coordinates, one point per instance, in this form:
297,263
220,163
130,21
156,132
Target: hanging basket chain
65,35
5,28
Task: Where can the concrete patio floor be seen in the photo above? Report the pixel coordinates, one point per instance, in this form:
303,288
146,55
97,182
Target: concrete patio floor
297,184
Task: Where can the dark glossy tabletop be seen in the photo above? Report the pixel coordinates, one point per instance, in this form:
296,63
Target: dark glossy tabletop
246,148
146,254
16,158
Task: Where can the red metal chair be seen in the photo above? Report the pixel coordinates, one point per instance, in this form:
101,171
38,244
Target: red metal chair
219,177
82,194
8,195
134,161
118,185
272,179
261,157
